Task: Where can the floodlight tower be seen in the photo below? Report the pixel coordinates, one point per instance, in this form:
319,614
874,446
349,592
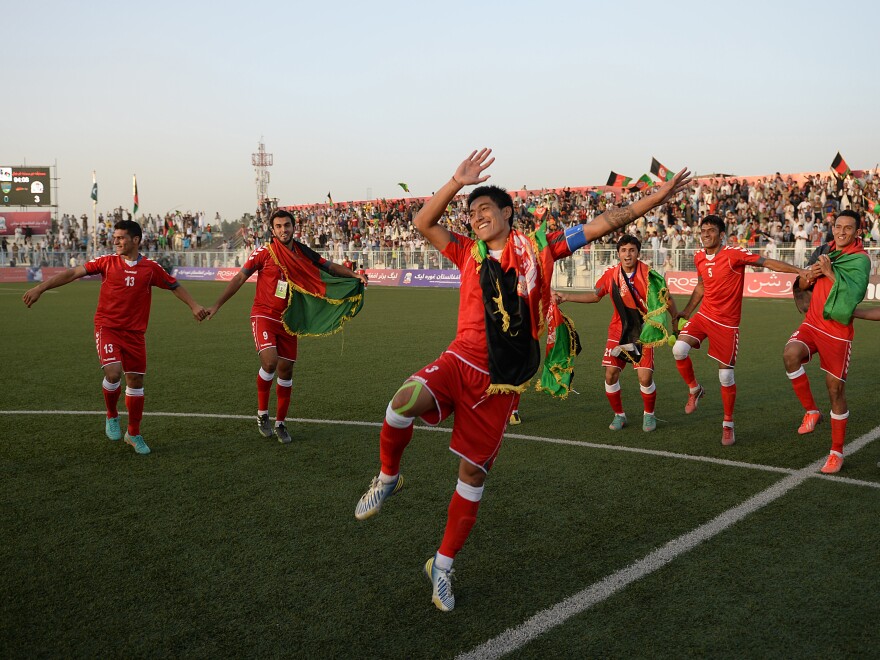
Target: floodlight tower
261,160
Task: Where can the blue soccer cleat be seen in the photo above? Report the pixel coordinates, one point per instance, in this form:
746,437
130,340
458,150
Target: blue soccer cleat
111,428
137,441
441,581
371,501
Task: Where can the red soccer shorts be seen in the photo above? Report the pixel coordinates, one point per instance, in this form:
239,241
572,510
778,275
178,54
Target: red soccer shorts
723,339
115,345
480,419
608,360
833,352
269,333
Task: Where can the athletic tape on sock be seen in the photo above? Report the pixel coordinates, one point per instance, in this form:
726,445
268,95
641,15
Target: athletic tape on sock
680,349
468,492
650,389
725,376
134,391
397,420
285,383
111,387
265,375
840,416
611,389
795,374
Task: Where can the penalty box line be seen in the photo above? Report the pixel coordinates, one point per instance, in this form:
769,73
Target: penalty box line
518,436
545,620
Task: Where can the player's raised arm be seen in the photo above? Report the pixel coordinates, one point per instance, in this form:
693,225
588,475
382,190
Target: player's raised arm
614,219
468,173
33,295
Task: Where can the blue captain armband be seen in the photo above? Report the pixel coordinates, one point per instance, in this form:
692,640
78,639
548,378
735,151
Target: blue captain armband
575,238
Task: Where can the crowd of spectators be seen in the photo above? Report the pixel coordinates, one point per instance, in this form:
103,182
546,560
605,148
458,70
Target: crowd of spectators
762,213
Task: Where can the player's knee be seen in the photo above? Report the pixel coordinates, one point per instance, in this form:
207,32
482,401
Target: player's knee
680,349
395,419
725,377
405,398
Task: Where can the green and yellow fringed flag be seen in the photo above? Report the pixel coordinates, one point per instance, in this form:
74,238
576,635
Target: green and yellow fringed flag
852,270
654,332
563,345
318,303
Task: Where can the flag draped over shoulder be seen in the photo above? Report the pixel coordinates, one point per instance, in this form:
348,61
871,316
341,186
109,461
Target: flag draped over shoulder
852,270
318,303
643,319
516,298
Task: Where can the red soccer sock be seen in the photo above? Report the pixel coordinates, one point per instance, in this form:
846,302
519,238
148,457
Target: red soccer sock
614,397
283,394
392,442
134,402
263,388
650,400
111,399
462,516
838,431
728,399
686,369
801,386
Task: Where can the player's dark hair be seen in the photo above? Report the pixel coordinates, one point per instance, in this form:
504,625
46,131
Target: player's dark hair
714,220
132,228
497,194
280,213
629,239
849,213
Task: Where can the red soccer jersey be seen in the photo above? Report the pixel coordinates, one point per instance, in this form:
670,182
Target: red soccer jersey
603,288
126,290
821,289
470,339
270,299
723,279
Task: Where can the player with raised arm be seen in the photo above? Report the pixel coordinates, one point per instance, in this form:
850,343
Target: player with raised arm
838,277
720,279
282,263
638,293
127,278
504,296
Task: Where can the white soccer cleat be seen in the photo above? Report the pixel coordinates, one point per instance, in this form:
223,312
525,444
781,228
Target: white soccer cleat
376,494
442,595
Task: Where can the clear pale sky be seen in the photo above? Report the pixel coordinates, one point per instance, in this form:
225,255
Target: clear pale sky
352,97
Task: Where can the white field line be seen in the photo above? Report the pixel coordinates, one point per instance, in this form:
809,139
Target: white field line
518,436
514,638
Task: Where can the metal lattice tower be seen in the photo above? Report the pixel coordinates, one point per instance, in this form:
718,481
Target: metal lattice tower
261,160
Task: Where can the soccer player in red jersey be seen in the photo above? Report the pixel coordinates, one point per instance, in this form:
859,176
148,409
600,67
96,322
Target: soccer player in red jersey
495,351
828,333
275,346
720,280
127,278
627,283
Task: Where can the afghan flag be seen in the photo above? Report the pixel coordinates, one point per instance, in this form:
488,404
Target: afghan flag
329,198
852,270
563,344
616,180
135,185
643,183
872,206
94,188
642,303
318,303
404,186
660,171
839,166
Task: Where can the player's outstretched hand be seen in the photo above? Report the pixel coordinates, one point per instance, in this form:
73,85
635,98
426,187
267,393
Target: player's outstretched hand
674,185
31,296
200,313
468,173
363,278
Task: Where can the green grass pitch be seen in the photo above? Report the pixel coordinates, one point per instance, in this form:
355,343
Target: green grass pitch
222,543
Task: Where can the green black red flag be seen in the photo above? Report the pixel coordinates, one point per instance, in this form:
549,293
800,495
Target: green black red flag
660,171
642,183
618,180
839,166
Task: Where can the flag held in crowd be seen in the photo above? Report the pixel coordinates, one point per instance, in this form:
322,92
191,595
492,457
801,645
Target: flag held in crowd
660,171
404,186
839,166
643,183
618,180
94,188
135,192
329,198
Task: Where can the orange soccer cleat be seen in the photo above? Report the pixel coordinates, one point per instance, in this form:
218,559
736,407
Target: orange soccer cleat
727,436
833,464
694,400
811,419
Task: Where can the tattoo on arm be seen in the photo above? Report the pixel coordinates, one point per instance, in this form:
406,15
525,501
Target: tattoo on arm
617,218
